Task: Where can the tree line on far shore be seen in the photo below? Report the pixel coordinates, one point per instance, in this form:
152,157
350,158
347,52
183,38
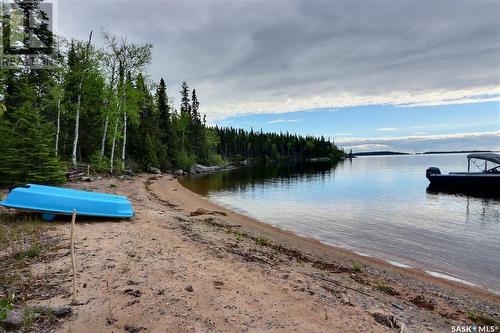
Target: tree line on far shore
97,106
238,143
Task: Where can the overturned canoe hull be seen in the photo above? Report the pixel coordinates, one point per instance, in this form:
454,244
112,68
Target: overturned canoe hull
51,201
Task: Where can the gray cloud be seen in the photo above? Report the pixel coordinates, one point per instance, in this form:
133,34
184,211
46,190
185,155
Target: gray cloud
419,143
278,56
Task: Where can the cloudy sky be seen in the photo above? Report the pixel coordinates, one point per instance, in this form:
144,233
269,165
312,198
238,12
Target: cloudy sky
399,75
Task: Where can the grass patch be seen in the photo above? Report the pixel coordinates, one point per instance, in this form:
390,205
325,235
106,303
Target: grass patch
240,234
261,240
321,265
36,314
357,267
20,227
5,308
385,288
33,251
481,319
17,231
25,240
112,185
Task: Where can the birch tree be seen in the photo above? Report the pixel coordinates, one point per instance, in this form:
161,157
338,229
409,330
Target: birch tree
58,92
111,67
131,58
78,103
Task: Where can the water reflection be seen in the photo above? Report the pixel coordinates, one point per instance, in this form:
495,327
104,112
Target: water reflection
260,173
376,205
480,207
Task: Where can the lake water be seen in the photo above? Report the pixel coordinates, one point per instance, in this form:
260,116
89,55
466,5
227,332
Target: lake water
377,206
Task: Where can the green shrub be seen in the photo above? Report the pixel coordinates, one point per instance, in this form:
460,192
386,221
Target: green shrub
99,164
481,319
185,161
32,252
385,288
261,240
215,159
240,234
118,167
5,308
356,266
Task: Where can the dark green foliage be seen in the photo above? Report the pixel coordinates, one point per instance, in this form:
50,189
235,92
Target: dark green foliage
27,145
158,136
262,240
240,144
481,319
357,267
166,128
98,163
120,112
5,308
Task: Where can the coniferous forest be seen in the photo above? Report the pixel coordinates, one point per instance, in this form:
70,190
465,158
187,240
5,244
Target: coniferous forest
98,106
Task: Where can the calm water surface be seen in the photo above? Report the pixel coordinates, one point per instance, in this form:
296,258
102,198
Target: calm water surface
376,206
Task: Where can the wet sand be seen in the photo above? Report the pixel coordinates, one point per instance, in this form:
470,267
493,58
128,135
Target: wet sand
183,264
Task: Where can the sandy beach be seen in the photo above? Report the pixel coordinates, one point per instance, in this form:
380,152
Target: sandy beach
183,264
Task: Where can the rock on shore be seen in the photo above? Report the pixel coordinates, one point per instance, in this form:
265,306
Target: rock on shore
199,169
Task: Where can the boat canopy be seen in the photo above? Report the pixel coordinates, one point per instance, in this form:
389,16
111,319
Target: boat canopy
491,157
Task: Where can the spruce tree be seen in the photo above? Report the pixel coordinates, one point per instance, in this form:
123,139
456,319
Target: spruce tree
167,136
184,119
197,131
28,154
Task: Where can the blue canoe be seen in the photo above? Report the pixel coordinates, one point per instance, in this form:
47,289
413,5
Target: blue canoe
52,201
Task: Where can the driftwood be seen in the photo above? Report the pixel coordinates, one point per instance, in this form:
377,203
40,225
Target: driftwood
198,168
74,174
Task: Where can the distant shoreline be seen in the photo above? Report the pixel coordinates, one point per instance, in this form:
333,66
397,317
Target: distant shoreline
382,153
379,153
454,152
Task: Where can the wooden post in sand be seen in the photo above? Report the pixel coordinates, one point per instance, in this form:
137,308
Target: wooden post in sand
73,258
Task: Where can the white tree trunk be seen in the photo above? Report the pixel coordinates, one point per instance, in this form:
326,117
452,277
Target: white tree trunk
77,122
124,137
58,124
113,144
103,143
106,122
122,107
113,147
